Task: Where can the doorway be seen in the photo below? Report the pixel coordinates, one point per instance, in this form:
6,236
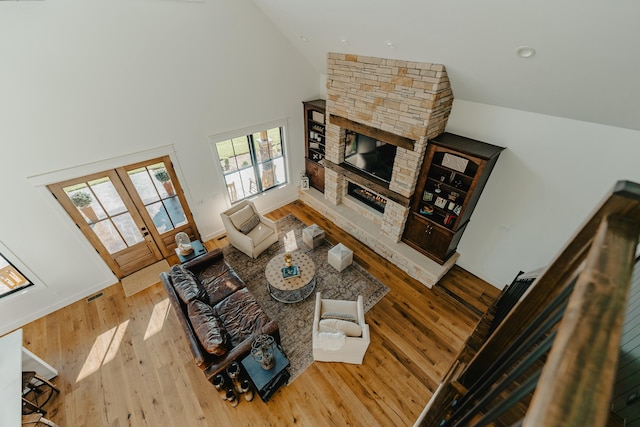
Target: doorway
129,214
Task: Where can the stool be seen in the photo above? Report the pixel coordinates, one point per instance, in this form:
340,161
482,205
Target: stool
312,236
340,257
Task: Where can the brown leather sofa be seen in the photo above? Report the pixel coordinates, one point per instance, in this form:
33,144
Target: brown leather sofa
219,315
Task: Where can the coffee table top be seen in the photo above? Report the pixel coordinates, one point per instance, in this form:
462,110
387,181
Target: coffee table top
293,289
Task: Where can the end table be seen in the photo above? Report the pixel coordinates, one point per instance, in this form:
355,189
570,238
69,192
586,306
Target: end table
267,382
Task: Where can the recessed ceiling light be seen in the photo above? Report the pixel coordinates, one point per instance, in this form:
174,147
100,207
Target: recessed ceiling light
525,52
344,41
389,44
304,39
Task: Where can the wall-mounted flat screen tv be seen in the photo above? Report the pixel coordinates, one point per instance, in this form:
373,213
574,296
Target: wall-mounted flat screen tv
370,155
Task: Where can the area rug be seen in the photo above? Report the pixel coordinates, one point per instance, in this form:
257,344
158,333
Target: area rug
142,279
296,320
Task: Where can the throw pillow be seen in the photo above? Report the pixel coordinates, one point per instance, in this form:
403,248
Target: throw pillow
350,329
341,316
250,224
186,285
208,328
241,216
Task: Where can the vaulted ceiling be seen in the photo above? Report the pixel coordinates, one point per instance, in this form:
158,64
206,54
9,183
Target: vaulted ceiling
587,52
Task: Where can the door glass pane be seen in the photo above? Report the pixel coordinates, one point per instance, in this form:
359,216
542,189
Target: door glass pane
128,229
145,187
108,197
85,201
155,188
160,217
109,236
174,208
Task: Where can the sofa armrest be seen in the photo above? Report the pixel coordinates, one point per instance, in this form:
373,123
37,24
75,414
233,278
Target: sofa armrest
238,352
179,308
204,260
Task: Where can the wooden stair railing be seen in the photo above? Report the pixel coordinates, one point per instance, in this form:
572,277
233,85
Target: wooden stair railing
552,361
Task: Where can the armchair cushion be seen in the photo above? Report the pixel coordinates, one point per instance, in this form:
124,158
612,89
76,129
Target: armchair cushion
186,285
350,329
208,328
242,216
339,316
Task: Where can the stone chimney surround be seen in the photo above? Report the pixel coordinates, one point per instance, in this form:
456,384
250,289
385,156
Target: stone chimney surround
403,103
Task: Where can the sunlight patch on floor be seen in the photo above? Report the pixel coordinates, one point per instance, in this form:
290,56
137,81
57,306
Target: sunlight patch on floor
158,316
290,243
104,350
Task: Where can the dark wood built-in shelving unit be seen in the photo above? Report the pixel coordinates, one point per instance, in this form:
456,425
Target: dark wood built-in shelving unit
314,141
453,175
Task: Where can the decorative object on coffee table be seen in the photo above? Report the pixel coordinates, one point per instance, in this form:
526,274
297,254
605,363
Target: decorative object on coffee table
340,257
267,382
288,260
289,287
313,236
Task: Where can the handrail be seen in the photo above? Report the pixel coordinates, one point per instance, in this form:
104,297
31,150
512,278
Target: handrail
576,381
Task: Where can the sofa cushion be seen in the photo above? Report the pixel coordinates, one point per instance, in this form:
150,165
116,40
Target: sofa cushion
241,216
208,328
222,286
241,316
350,329
186,284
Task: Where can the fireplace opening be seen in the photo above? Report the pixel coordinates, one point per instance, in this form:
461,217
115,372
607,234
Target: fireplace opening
367,197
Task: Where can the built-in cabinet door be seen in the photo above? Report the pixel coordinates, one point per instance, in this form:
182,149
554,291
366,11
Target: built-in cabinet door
130,215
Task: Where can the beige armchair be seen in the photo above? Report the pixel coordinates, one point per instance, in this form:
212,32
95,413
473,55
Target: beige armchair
339,331
247,230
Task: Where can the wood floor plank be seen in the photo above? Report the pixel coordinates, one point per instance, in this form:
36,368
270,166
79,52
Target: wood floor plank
126,362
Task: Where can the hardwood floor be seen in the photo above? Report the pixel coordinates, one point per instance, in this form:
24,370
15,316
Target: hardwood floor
126,362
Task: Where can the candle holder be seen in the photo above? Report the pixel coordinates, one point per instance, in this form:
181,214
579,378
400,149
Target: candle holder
262,350
288,259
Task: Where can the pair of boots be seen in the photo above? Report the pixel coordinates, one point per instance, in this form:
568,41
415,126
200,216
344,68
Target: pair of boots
229,387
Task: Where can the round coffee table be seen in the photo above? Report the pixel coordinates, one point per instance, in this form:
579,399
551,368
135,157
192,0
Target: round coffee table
293,289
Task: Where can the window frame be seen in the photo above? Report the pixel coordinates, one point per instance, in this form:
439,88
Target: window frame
20,268
256,165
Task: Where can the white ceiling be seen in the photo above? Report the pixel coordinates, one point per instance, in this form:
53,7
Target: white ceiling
586,67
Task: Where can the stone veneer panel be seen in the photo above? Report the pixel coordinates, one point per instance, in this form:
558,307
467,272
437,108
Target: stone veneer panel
411,99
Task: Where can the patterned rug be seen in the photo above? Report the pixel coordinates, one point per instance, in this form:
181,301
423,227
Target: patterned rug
296,320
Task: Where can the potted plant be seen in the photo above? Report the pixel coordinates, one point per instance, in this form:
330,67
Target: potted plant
82,200
163,176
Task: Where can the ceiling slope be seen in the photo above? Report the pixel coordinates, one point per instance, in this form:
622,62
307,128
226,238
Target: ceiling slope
586,66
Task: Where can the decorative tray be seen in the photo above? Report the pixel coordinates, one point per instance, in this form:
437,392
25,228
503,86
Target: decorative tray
290,272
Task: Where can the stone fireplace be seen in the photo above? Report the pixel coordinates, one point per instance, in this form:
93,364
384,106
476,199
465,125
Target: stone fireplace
398,102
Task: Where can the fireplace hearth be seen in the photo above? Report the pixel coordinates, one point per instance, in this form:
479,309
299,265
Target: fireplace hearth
367,197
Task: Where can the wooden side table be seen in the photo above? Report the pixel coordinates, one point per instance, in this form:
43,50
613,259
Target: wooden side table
267,382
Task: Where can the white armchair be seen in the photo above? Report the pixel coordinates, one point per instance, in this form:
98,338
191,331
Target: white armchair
336,339
247,230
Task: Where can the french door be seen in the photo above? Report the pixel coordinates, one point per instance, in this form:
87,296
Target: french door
130,214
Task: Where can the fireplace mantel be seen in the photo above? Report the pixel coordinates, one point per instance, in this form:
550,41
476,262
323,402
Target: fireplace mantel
379,134
362,179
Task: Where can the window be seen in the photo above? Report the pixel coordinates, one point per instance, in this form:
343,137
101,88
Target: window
11,280
253,163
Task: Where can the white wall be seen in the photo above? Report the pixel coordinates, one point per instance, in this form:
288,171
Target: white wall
552,175
109,81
